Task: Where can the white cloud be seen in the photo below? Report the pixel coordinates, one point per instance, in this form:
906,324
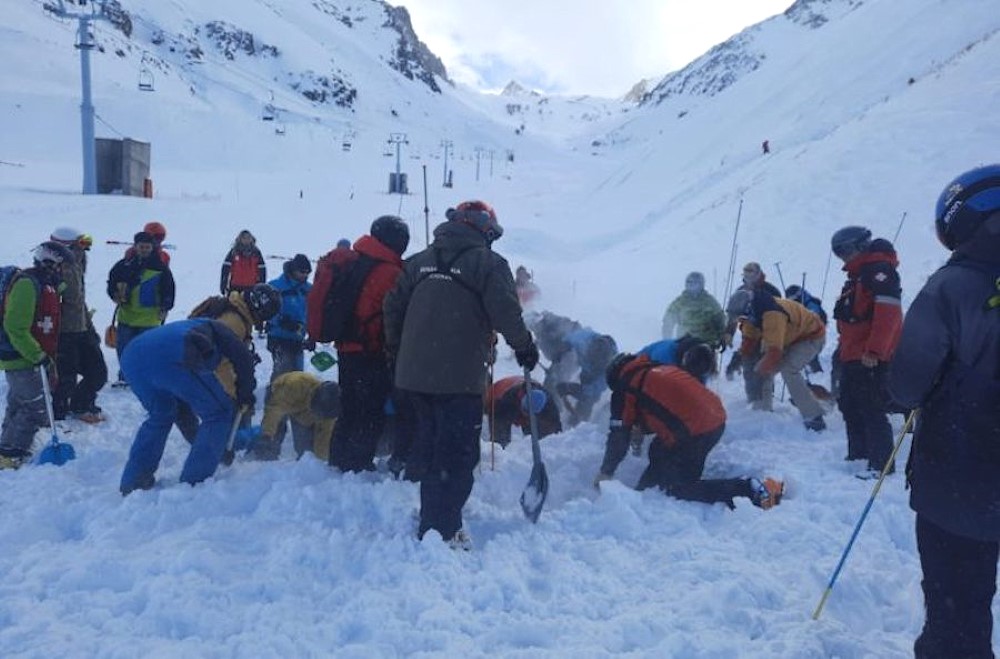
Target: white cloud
573,47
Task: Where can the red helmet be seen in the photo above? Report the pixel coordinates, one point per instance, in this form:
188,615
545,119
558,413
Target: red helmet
478,214
156,230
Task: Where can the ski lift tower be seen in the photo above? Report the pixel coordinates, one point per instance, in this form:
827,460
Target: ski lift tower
85,42
397,181
446,146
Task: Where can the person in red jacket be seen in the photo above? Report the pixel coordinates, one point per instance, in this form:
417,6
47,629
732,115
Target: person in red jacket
505,406
687,420
243,266
869,319
365,378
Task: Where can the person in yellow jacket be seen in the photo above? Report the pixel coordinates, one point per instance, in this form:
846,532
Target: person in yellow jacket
311,405
787,336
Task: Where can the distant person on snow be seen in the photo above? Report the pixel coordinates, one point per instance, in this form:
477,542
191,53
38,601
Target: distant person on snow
947,363
159,234
243,266
177,362
695,312
142,287
766,147
506,405
80,361
687,419
527,290
286,331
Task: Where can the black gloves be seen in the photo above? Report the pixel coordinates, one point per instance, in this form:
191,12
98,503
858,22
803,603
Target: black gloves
46,361
245,399
527,357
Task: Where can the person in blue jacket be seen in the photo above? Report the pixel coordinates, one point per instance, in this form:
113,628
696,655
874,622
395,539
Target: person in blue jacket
177,362
286,332
669,352
947,363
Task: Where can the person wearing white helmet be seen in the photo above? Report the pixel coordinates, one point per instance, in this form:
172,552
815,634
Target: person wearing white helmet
79,360
28,341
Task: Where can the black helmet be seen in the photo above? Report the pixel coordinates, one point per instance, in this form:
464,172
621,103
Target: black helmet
966,203
392,232
613,373
794,292
50,254
263,300
699,361
849,241
477,214
325,402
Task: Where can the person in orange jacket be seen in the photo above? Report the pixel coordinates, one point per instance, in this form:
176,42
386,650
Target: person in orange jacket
506,405
688,420
787,336
869,318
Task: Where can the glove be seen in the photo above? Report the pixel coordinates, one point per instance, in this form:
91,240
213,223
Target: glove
245,438
599,478
527,357
309,345
247,399
768,365
734,366
44,362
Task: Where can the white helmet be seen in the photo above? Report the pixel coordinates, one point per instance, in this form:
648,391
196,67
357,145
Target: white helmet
66,235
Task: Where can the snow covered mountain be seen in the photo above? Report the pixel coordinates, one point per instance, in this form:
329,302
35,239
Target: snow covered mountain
869,107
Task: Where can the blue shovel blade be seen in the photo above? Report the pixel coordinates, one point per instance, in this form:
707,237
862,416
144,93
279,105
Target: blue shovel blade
56,453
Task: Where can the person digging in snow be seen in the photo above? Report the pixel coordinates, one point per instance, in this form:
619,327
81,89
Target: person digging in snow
687,420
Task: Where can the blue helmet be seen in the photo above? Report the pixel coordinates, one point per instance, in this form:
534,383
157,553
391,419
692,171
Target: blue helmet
965,204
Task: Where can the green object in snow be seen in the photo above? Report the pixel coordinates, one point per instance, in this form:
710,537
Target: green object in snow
321,360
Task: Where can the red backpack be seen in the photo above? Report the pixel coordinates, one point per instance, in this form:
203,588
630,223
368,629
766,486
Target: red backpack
340,275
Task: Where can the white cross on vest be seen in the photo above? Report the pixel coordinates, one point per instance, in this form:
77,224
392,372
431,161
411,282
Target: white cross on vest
46,324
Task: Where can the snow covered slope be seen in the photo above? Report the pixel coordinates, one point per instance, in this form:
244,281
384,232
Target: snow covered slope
609,208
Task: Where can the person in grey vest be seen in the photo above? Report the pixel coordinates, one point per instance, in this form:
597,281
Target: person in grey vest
438,323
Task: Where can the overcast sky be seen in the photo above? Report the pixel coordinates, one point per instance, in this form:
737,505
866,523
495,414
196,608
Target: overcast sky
598,47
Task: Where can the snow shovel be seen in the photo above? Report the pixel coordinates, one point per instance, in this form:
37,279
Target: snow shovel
230,454
533,496
56,452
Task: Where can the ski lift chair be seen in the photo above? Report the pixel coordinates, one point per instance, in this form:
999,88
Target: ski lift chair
267,114
146,80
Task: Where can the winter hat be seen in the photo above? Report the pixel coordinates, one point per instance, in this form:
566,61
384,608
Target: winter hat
325,401
739,304
699,361
344,242
143,237
752,273
695,282
301,263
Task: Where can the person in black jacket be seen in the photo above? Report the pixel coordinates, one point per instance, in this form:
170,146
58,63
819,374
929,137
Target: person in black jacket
947,362
438,324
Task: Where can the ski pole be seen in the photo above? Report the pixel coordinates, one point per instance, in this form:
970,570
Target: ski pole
864,514
493,416
427,221
899,228
732,252
130,243
781,278
826,274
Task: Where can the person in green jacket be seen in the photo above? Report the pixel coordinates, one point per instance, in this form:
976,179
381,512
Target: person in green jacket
143,288
695,312
29,339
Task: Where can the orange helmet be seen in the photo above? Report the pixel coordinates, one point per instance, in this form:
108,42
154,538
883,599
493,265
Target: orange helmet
156,230
479,215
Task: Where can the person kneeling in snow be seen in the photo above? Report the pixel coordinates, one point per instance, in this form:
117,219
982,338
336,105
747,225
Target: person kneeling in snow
687,419
177,362
311,405
506,405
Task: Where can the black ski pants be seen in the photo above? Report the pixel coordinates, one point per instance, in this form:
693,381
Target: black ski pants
447,449
862,402
677,471
959,582
82,373
365,384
